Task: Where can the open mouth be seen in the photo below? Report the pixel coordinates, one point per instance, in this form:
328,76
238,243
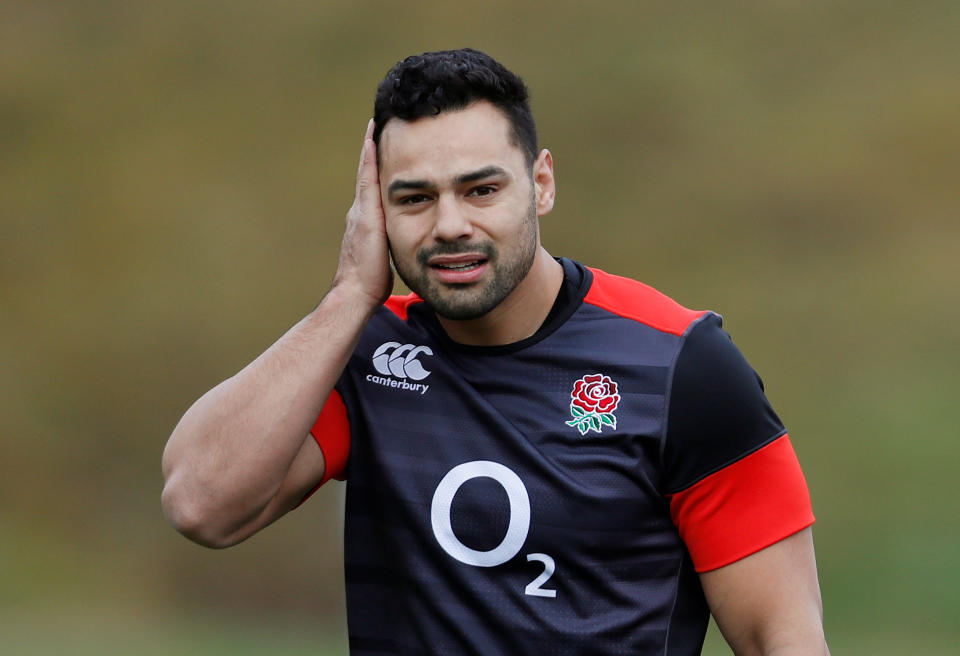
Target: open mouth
462,269
459,266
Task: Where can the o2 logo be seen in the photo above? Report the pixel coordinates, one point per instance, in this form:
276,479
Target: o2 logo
517,528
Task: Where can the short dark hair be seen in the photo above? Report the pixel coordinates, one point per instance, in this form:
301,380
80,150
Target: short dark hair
434,82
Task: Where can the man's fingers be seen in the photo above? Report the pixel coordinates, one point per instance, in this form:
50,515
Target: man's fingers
368,134
364,252
368,180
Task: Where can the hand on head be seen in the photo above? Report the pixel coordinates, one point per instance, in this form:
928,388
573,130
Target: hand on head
364,253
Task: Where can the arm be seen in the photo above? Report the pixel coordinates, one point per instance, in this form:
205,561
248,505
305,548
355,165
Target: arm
740,500
242,456
769,602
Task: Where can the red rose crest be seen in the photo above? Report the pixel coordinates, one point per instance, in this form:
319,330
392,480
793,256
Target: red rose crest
592,402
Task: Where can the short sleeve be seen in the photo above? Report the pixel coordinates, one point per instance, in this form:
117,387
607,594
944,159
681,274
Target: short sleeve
734,482
332,433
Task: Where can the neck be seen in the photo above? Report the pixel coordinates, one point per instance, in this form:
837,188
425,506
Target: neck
520,314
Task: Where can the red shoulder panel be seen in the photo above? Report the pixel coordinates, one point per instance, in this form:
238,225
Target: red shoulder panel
634,300
400,304
744,507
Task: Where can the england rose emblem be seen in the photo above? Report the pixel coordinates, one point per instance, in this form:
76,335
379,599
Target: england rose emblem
592,402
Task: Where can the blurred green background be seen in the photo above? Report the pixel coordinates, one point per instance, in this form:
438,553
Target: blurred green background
173,181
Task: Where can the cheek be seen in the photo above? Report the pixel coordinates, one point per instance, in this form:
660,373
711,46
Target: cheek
404,242
398,237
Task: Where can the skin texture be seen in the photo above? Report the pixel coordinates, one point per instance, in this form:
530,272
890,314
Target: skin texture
769,602
450,188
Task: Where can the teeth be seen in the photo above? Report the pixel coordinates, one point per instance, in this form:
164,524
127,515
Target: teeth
459,267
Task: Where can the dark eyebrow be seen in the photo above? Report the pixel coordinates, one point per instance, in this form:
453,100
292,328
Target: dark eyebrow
486,172
473,176
397,185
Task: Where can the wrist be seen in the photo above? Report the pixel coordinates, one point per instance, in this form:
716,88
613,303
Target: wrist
351,298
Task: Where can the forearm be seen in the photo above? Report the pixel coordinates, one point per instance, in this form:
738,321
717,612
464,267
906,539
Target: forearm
231,451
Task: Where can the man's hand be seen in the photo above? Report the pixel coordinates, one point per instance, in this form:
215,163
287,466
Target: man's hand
364,265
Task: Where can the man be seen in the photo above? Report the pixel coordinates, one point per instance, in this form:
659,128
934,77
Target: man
541,458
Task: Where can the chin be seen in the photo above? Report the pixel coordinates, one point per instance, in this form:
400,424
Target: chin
462,309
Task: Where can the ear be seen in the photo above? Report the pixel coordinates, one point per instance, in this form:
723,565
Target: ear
544,185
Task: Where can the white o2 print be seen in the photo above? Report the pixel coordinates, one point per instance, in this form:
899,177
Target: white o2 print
534,588
519,513
517,528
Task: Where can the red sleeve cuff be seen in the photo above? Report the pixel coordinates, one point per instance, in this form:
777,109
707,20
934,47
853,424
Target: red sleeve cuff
332,433
743,508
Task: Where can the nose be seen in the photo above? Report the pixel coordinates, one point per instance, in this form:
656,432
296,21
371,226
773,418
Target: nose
451,222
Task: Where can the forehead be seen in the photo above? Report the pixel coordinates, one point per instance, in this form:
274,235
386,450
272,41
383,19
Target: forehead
448,144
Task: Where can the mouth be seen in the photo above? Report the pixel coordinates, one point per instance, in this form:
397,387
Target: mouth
465,266
458,269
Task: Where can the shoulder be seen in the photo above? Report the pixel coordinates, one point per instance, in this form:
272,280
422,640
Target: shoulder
717,409
634,300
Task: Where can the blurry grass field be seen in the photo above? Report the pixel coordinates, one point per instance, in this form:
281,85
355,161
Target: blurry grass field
173,180
229,637
77,634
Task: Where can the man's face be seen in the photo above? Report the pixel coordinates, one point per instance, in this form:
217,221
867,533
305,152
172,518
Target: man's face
460,207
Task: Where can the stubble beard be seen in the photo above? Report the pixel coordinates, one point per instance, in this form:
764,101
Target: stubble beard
463,302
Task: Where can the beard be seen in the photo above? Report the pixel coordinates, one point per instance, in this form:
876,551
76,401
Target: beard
462,302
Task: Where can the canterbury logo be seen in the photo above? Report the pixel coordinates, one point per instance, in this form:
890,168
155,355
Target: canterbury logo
400,360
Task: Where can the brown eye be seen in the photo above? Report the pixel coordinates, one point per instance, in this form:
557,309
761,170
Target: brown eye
412,200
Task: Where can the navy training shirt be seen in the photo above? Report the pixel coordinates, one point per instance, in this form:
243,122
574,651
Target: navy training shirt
557,495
